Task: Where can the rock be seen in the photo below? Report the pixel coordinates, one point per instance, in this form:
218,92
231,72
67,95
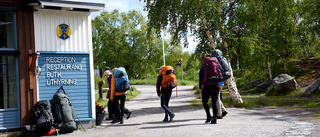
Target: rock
264,85
195,87
284,82
314,87
253,83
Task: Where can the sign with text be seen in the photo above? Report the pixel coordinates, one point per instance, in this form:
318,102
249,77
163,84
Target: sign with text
70,70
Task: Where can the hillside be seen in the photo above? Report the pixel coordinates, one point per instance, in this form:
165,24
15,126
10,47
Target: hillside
312,66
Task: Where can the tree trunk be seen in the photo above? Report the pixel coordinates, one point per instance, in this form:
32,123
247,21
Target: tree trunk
269,66
145,72
204,22
232,86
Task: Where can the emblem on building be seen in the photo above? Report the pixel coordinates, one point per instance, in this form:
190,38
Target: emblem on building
63,31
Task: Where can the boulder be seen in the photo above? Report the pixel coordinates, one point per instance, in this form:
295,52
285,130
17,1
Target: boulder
253,83
314,87
284,82
264,85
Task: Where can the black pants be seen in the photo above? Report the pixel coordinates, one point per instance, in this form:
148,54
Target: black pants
213,92
119,108
110,109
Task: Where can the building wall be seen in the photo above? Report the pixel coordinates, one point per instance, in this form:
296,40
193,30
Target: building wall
48,44
46,21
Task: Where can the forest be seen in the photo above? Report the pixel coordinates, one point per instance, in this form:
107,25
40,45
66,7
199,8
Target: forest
260,38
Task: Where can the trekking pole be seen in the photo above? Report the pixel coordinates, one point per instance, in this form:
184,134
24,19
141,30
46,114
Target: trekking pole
79,121
176,91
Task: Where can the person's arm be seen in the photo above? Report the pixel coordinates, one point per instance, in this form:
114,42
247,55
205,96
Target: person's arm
200,79
158,86
113,86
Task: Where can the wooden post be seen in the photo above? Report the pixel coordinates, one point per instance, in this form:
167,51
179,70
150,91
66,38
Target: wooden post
32,65
100,89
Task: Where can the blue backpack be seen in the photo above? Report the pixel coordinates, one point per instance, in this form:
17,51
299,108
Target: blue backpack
122,80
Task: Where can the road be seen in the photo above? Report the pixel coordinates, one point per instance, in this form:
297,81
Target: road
147,116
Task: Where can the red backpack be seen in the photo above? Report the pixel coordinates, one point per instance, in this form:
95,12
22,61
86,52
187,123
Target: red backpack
212,73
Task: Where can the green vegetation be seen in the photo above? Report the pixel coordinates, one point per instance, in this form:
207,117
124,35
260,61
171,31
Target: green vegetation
252,99
97,79
104,101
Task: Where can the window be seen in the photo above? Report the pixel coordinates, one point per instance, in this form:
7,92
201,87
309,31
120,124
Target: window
8,91
8,61
7,33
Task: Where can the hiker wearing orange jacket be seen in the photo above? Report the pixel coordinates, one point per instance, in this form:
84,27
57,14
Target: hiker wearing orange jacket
115,97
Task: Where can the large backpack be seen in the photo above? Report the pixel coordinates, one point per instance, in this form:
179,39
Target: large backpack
168,77
43,116
64,114
224,66
122,80
212,73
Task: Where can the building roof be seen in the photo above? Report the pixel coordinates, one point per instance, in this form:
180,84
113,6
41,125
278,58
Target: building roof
68,5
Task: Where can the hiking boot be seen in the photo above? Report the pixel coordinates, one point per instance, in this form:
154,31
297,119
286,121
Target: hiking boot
171,116
165,119
115,119
208,119
128,115
214,121
224,113
219,117
121,121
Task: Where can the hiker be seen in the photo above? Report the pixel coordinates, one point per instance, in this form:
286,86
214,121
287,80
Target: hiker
164,94
221,109
107,74
209,78
115,97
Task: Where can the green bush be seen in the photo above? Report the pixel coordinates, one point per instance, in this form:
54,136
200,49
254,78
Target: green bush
97,79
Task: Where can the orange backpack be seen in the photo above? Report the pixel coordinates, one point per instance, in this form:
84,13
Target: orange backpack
168,77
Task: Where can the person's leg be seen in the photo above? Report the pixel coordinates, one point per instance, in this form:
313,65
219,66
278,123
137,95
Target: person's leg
110,111
215,89
205,99
165,97
220,105
116,110
127,112
122,103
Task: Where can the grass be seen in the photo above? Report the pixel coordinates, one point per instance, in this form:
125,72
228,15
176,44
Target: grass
103,101
251,99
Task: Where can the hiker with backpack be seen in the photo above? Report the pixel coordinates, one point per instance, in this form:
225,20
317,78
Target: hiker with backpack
226,74
119,86
209,78
165,83
107,74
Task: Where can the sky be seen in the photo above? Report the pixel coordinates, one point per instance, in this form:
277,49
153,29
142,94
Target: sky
125,6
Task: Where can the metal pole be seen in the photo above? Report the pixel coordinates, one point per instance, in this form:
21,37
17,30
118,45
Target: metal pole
164,59
181,71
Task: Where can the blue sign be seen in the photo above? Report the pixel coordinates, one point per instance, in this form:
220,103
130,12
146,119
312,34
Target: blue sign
70,70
